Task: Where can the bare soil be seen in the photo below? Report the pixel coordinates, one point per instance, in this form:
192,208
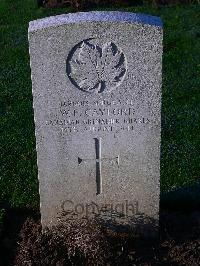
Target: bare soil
87,243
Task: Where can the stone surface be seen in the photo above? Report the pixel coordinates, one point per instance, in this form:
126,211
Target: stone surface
96,81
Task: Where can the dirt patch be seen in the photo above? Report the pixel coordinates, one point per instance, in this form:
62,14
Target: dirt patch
87,243
75,242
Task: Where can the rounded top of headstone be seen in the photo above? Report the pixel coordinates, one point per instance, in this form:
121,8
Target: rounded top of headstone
94,16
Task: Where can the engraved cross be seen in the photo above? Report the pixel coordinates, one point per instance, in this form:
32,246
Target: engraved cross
98,159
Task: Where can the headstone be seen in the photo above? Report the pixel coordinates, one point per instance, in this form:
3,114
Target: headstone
96,80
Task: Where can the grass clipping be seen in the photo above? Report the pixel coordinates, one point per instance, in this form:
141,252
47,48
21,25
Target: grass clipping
74,242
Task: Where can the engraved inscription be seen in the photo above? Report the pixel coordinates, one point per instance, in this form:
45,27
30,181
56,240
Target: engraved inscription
97,115
95,68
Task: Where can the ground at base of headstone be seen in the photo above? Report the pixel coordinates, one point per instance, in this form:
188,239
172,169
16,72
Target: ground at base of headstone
87,243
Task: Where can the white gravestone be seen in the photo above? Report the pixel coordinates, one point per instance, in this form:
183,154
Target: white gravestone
96,80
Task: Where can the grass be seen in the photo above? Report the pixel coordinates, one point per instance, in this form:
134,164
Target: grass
180,109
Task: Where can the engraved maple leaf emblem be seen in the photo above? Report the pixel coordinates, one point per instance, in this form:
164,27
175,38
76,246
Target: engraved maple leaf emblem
94,68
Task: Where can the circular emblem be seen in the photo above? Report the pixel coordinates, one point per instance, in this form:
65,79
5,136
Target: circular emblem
96,68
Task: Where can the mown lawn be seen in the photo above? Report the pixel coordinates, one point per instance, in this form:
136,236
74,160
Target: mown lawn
180,109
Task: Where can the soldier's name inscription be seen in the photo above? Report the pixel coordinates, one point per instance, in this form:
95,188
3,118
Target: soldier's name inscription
103,115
